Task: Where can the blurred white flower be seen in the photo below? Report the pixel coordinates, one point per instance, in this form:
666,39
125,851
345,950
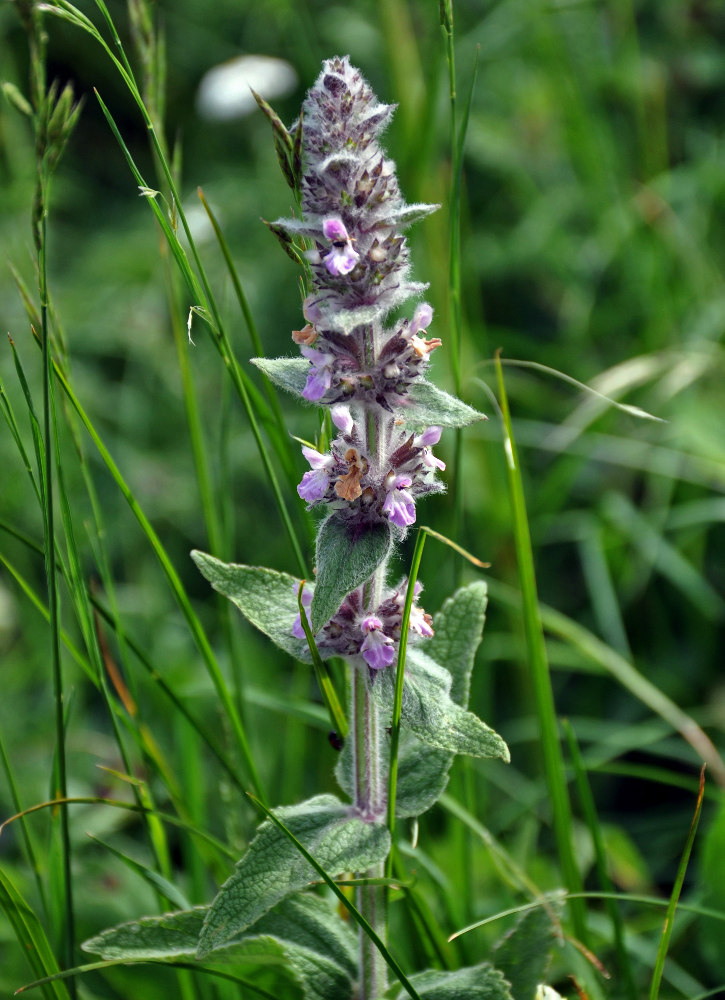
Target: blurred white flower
224,92
544,992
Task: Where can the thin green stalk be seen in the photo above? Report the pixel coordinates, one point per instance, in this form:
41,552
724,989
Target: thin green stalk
675,896
398,702
220,339
100,800
327,689
247,314
175,583
600,855
123,638
539,670
15,432
455,293
68,930
31,854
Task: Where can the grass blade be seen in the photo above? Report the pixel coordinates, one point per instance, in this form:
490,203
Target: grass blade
348,904
590,814
245,389
160,884
675,896
628,676
539,668
398,701
30,935
175,584
80,970
329,695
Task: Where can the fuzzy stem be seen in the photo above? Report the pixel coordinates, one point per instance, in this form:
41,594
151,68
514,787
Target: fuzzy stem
369,801
370,790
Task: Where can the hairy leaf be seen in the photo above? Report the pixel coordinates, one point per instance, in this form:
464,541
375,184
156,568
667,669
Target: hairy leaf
345,320
302,933
477,982
429,713
301,227
422,776
523,955
289,374
406,215
458,632
273,868
266,598
345,559
427,405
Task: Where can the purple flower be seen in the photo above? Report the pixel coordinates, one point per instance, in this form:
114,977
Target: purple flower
320,375
342,418
422,318
297,631
311,310
420,622
431,435
314,483
377,649
399,504
342,258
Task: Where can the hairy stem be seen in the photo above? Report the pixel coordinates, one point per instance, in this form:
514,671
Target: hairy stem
370,802
370,777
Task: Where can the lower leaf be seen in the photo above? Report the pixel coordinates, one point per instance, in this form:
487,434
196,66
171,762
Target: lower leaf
525,952
302,934
273,868
477,982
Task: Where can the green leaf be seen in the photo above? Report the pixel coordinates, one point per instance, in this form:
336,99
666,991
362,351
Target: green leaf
345,559
300,227
458,631
266,598
427,405
302,933
523,955
289,374
345,320
431,715
406,215
477,982
273,868
422,776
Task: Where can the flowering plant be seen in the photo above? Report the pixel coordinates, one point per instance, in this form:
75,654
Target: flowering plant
387,417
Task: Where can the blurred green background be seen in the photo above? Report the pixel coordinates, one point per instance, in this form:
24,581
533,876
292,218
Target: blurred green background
593,230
